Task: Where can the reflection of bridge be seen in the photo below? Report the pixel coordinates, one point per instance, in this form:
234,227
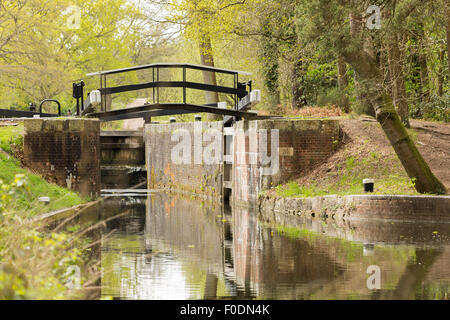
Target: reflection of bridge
243,99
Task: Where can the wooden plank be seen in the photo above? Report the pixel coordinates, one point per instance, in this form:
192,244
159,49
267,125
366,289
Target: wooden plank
172,84
145,114
228,184
130,145
174,106
119,133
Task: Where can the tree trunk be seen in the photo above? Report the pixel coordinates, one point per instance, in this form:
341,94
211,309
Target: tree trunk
269,56
356,25
298,98
397,79
424,83
343,83
448,35
416,167
423,66
441,74
207,59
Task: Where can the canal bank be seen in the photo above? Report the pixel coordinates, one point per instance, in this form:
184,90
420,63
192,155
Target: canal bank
362,207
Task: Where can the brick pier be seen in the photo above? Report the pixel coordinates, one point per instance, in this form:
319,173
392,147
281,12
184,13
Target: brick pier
65,151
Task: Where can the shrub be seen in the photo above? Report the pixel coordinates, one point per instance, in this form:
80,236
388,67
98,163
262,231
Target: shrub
34,264
437,109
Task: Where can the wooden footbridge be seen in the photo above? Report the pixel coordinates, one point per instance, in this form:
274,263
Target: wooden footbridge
95,104
242,95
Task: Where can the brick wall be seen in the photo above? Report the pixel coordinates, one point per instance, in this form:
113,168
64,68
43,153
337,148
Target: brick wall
303,144
196,176
65,152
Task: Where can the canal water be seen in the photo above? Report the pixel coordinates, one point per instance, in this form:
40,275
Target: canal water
175,247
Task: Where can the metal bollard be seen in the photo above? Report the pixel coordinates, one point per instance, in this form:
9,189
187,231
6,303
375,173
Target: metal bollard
368,185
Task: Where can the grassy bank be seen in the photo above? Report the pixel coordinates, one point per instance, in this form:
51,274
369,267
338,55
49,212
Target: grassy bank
365,153
35,188
348,176
11,136
11,141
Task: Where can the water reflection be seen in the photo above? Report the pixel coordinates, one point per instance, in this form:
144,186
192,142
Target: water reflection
179,248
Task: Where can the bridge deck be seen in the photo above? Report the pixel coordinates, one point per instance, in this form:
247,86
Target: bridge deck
6,113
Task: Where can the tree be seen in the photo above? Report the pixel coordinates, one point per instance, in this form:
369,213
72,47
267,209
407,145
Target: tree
397,78
203,21
41,54
31,57
327,19
343,81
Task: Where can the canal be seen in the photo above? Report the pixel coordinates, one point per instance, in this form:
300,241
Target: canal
177,247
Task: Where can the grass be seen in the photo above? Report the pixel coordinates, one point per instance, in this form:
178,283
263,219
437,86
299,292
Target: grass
389,179
11,135
37,187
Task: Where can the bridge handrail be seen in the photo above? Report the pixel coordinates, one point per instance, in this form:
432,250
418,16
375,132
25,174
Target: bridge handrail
169,65
50,100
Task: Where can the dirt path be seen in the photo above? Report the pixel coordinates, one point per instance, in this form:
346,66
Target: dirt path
134,124
433,141
364,136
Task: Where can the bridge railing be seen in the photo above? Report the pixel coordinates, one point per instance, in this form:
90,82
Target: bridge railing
243,98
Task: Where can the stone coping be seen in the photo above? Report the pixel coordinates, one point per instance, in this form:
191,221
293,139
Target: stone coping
366,207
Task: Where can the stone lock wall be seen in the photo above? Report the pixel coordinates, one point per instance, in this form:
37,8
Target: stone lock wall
302,145
195,176
65,152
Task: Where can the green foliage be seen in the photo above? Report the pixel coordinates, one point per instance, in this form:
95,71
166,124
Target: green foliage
33,264
438,109
9,136
289,46
40,56
333,96
320,83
